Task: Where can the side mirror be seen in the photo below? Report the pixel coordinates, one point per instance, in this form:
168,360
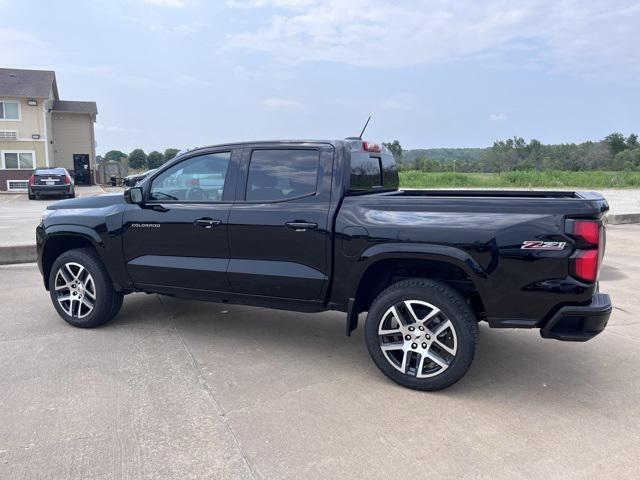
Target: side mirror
133,195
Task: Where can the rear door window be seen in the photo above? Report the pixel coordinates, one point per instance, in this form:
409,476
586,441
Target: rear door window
277,175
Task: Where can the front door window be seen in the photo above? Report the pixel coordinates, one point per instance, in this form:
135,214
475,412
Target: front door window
197,179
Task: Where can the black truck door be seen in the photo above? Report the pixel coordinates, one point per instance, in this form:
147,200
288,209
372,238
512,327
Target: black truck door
279,233
178,238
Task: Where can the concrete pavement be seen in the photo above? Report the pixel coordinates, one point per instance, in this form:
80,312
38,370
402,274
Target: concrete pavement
177,389
20,216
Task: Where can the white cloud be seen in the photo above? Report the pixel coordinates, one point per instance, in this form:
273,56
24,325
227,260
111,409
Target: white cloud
567,35
109,128
113,74
400,101
18,48
499,117
267,3
281,103
184,29
167,3
186,80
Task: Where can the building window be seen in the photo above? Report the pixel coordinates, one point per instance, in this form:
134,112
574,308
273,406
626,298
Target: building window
9,110
18,160
17,185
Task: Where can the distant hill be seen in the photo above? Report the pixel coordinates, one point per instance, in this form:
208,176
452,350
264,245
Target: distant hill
445,154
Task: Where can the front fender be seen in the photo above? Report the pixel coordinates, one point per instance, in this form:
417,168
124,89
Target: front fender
77,236
75,230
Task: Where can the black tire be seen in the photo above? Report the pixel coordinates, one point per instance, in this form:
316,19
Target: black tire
31,196
452,307
71,195
107,301
118,300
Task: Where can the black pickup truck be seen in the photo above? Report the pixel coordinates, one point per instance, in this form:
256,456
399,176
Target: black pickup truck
322,225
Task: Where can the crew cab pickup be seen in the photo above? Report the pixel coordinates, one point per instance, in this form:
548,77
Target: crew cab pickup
311,226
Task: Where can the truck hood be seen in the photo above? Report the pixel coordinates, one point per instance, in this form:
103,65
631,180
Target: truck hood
99,201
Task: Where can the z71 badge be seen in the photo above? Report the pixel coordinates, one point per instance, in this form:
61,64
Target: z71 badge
538,245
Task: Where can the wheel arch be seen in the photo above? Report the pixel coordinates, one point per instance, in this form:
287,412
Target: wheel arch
62,239
387,264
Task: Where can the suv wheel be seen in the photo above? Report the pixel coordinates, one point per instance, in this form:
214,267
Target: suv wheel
421,334
81,289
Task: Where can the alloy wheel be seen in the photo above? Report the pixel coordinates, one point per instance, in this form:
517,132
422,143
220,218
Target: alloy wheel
75,290
417,338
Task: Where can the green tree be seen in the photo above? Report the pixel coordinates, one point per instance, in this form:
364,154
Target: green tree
155,159
632,142
169,153
138,159
116,155
616,142
534,154
428,165
395,148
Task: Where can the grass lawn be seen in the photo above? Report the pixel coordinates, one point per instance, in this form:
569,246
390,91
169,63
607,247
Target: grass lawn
524,179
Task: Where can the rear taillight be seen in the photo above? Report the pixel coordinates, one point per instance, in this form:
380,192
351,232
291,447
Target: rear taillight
32,180
589,235
67,180
585,265
371,147
587,230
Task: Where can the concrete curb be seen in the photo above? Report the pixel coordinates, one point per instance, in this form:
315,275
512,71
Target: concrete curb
624,218
17,254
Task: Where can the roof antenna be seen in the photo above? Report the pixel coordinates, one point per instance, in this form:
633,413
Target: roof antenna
364,128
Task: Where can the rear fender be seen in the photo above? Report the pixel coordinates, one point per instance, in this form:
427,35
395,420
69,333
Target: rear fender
412,251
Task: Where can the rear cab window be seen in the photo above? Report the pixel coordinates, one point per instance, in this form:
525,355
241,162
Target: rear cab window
282,174
372,173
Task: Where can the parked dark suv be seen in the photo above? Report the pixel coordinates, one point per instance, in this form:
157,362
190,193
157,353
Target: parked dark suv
133,179
51,181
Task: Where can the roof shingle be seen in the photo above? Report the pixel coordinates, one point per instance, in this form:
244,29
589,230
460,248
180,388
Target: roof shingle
75,107
27,83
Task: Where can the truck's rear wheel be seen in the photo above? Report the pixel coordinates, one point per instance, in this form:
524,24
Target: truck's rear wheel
81,289
421,334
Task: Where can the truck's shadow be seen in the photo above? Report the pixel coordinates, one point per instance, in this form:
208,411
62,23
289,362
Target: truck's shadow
507,362
608,272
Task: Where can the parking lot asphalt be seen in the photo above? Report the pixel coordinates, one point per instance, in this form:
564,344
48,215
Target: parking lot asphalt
20,216
175,389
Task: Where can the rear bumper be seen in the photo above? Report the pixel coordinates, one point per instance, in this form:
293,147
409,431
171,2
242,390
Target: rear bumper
579,323
51,189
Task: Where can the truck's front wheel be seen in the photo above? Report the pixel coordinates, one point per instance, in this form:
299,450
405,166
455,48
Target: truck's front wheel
81,289
421,334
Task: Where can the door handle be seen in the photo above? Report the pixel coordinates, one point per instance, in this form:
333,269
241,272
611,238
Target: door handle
207,222
301,226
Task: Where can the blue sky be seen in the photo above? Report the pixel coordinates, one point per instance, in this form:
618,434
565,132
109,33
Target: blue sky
437,73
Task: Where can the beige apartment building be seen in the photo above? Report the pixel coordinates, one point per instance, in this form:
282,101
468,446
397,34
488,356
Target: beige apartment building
39,130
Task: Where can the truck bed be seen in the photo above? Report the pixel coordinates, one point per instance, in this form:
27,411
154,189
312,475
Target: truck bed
498,193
